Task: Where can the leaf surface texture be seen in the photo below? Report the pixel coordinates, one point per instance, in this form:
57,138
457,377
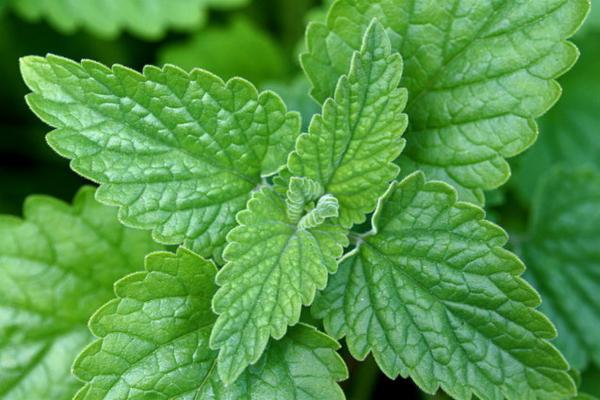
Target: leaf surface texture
351,146
58,265
434,296
478,74
179,153
274,266
153,343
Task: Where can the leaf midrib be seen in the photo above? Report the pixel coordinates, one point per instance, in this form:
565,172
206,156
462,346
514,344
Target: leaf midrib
441,301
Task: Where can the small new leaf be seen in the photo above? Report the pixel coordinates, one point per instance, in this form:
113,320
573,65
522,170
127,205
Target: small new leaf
179,153
58,266
154,344
274,266
350,148
478,74
300,193
563,259
327,207
434,296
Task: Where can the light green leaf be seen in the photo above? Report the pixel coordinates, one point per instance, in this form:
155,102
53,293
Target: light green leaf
563,258
301,192
592,24
154,344
58,266
478,74
274,266
434,296
239,49
179,153
351,147
148,19
569,133
326,207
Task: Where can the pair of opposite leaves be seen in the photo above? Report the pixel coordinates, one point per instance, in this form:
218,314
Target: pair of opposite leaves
59,265
155,334
166,107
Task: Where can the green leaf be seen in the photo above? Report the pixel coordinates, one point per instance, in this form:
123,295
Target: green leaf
351,146
569,132
434,296
239,49
58,266
148,19
274,266
478,74
592,24
563,257
302,191
296,97
179,153
154,344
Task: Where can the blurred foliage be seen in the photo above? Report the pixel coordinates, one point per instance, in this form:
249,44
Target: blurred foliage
149,19
295,95
259,40
238,49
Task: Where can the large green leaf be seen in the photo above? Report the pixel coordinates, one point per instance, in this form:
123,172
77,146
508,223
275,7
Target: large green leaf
107,18
58,266
569,133
275,263
154,344
179,153
434,296
478,74
563,256
239,49
351,146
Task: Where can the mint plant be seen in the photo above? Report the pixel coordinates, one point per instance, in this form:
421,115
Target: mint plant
166,311
477,75
371,220
58,266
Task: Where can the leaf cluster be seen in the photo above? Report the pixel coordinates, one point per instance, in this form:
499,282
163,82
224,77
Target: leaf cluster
369,217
